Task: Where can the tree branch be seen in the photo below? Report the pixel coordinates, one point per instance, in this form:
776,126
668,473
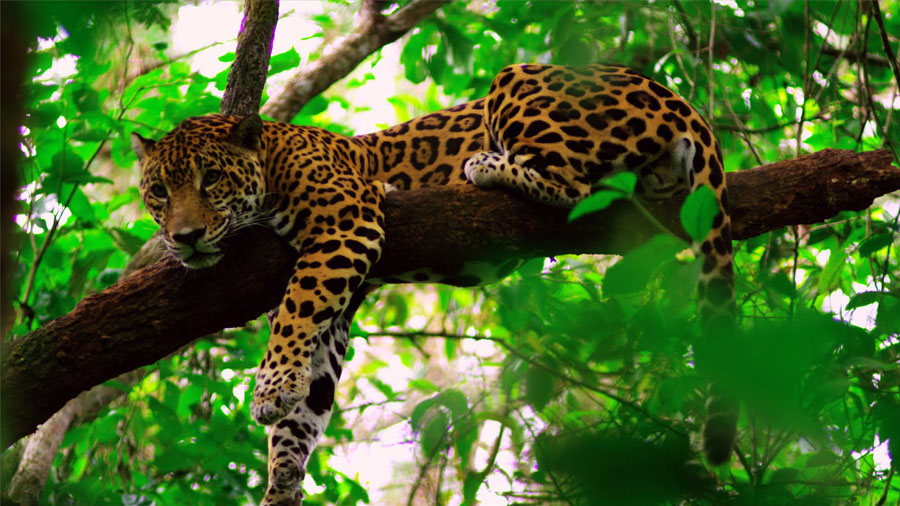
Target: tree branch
157,310
374,32
247,76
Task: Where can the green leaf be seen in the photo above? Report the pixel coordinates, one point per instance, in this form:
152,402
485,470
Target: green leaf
863,299
434,433
423,385
698,212
284,61
623,181
875,243
316,105
455,401
66,165
609,190
81,207
830,277
634,271
126,241
889,314
383,387
596,202
531,267
471,484
540,387
83,264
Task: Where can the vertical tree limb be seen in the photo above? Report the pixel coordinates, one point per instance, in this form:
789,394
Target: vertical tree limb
247,76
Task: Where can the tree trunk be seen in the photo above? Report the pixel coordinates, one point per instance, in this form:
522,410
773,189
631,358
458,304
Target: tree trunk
157,310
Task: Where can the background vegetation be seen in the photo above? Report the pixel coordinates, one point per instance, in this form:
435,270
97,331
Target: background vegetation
554,386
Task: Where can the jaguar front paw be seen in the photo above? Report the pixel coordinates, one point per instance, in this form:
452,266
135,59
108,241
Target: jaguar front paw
277,392
483,169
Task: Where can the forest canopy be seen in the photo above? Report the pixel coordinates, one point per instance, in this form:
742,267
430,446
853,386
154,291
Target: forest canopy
569,382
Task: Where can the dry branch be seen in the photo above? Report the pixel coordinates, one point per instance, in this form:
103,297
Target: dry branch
161,308
373,32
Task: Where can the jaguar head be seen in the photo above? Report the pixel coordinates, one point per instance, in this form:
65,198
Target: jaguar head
201,182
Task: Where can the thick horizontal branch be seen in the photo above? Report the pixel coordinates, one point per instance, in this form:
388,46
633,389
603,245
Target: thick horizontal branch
152,313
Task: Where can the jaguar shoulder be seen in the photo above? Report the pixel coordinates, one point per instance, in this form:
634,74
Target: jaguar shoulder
548,132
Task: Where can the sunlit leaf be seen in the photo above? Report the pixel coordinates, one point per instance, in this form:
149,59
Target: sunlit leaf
284,61
596,202
698,212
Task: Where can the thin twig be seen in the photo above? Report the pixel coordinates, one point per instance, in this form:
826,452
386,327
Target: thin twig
888,50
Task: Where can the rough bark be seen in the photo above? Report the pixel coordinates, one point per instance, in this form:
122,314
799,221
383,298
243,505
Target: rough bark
161,308
28,482
13,34
374,31
40,448
247,76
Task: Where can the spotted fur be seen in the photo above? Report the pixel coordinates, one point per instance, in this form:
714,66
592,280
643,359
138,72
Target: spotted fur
548,132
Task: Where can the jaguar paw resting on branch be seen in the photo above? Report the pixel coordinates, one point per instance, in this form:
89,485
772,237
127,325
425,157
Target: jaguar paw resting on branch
547,132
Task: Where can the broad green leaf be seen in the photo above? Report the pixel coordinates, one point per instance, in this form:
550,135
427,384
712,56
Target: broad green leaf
830,278
126,241
423,385
81,207
316,105
466,434
471,484
540,387
623,181
637,268
531,267
889,313
874,243
434,434
455,401
383,387
284,61
863,299
698,212
596,202
82,265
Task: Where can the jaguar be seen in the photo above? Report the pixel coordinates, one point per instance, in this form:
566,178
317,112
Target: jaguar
550,133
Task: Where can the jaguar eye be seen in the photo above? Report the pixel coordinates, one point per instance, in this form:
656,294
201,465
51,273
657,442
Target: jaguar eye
158,191
211,177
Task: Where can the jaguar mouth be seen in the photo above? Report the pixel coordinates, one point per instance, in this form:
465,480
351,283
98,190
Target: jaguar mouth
199,260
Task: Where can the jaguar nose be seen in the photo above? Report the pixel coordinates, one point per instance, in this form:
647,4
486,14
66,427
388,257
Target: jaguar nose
189,237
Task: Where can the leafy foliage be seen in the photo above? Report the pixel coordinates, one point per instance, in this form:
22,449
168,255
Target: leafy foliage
571,382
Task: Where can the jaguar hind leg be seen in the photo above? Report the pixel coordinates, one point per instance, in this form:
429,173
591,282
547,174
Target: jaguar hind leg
528,174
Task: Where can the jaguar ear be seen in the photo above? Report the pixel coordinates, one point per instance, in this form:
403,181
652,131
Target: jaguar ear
141,145
246,133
